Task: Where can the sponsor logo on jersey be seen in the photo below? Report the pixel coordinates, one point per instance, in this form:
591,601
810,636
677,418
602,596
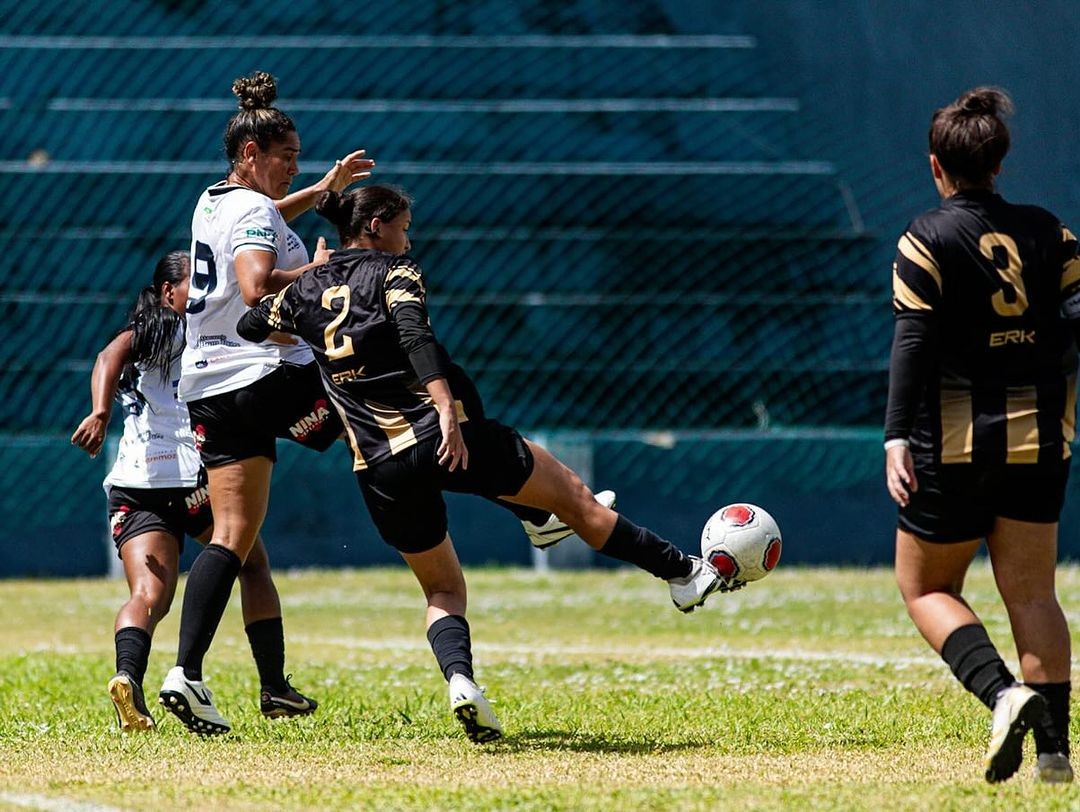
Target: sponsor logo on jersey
202,364
1012,337
216,341
347,375
199,433
262,233
310,423
197,500
116,521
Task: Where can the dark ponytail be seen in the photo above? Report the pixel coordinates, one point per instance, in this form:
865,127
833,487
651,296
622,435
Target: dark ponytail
352,212
969,137
156,328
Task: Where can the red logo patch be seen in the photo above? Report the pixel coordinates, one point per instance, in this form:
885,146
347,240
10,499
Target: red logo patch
199,432
737,515
727,566
116,521
772,555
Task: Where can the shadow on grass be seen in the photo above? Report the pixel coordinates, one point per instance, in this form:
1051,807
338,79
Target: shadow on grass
565,740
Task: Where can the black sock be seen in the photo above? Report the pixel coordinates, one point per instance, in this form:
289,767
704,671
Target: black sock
976,663
1052,731
449,638
267,638
132,651
207,593
643,548
525,513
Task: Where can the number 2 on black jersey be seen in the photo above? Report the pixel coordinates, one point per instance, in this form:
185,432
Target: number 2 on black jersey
329,295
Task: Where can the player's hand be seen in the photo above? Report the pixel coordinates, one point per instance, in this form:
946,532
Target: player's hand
90,435
348,170
322,253
452,451
900,474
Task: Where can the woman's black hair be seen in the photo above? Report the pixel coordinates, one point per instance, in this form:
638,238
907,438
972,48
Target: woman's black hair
969,137
352,212
257,120
155,328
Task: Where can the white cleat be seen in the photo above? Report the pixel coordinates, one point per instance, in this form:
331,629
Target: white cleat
1053,768
690,592
472,709
1016,710
555,529
191,702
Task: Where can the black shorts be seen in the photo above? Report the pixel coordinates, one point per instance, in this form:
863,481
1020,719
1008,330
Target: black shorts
290,402
176,511
404,492
960,502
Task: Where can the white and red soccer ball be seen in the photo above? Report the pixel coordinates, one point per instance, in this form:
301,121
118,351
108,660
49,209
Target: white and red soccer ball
743,542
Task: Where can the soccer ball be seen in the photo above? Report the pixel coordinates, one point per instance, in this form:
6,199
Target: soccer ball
743,542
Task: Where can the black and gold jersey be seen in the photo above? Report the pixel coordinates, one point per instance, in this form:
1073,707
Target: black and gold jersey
347,311
987,280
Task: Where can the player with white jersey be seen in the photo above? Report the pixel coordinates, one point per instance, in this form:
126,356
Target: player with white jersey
242,397
157,494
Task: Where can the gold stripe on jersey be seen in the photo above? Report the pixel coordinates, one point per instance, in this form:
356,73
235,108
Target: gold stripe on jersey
905,295
359,463
274,318
399,431
914,250
957,427
394,297
405,272
1021,425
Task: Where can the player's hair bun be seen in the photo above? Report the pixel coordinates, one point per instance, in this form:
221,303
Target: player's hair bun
335,207
985,101
255,92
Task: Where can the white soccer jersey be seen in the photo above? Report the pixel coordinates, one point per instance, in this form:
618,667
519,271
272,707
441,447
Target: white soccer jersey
157,449
227,221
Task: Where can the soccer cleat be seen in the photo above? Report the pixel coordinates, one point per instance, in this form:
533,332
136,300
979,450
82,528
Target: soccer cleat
1016,710
127,698
276,704
690,592
190,701
554,529
472,709
1053,768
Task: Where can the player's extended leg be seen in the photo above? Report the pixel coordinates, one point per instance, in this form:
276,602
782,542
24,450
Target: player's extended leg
439,573
238,493
931,577
554,487
1024,558
151,561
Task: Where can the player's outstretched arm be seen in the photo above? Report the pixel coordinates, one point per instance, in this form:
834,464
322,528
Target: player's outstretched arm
350,169
90,435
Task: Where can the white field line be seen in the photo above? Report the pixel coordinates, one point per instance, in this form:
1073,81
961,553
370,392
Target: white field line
32,801
673,654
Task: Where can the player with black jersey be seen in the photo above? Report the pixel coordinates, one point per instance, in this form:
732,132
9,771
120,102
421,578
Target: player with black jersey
416,427
981,411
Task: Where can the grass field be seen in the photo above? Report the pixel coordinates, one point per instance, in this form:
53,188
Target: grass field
810,690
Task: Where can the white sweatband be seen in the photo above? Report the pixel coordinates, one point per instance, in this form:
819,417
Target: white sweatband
896,442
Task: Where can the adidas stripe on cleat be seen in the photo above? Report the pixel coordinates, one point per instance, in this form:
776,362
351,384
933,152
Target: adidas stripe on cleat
191,702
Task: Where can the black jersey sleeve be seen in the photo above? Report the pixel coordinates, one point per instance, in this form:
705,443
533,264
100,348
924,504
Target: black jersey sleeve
274,312
916,273
910,365
405,298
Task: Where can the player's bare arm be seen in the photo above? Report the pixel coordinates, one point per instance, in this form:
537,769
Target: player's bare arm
90,435
352,168
258,277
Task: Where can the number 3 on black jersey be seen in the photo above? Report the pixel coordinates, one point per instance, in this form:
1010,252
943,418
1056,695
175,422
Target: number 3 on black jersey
1010,274
202,281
